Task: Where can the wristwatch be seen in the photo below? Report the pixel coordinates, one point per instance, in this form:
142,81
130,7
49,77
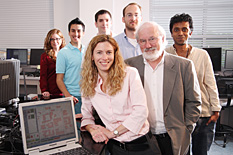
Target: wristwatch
115,132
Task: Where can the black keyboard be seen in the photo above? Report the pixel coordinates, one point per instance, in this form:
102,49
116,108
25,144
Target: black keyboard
78,151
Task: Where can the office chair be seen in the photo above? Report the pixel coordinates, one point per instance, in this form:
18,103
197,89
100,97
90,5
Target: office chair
225,88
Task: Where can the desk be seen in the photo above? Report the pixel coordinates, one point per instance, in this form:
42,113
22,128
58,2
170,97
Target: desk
33,85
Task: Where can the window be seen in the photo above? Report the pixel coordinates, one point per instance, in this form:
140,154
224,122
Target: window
25,23
212,19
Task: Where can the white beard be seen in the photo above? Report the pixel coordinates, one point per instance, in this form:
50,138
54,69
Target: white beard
152,53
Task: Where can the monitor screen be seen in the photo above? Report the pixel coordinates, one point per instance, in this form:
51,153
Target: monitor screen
229,59
20,54
216,57
35,56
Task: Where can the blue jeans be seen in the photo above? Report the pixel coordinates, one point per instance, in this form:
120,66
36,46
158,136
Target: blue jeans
77,109
78,105
202,136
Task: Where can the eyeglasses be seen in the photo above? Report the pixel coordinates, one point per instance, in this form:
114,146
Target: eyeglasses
57,39
130,15
151,40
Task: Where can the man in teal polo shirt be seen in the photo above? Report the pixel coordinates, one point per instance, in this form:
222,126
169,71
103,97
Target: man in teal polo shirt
68,64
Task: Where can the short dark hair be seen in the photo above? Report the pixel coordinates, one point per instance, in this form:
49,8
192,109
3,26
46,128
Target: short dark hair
101,12
76,21
181,18
129,5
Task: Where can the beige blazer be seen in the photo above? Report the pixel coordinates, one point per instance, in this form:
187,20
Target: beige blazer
181,100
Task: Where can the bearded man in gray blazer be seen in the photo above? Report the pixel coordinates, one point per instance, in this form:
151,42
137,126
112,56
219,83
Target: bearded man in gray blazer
172,90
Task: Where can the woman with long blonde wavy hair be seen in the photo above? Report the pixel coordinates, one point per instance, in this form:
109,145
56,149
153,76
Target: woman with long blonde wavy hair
116,71
115,91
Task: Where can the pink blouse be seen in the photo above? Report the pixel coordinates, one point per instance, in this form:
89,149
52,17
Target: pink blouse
128,107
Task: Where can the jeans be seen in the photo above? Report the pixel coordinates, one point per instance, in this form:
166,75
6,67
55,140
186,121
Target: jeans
202,136
77,109
77,106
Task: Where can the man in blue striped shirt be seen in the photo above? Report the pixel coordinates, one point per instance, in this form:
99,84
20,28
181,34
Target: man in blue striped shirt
127,40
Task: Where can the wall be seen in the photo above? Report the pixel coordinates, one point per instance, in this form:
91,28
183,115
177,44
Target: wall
64,12
88,10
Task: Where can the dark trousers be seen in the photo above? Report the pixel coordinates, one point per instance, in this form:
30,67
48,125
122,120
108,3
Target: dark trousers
202,136
148,147
164,142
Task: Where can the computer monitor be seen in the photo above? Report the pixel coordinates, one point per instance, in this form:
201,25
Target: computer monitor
35,56
216,57
229,59
20,54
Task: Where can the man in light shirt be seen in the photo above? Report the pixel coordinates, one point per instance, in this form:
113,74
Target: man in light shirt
127,42
68,64
181,28
103,22
172,90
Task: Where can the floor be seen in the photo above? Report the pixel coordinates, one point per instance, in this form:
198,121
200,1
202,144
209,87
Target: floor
217,149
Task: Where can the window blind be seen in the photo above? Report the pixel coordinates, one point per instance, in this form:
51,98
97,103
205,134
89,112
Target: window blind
25,23
212,20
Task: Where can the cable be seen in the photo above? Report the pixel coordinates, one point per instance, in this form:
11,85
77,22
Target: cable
15,119
13,137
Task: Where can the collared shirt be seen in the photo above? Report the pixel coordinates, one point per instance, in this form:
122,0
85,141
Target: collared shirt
205,75
128,107
127,49
69,60
153,85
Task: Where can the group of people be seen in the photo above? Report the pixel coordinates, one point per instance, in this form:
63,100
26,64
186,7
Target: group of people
151,99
